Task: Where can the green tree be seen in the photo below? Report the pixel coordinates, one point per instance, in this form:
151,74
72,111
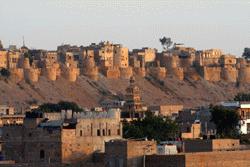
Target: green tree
226,121
242,97
152,127
62,105
246,53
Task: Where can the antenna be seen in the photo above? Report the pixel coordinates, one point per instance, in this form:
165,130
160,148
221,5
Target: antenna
23,41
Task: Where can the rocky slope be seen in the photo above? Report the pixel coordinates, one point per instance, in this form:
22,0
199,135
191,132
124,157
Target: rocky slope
88,93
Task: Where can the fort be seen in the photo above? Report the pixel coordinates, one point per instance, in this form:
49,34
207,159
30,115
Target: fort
116,61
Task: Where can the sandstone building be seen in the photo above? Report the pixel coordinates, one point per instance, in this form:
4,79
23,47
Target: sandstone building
73,138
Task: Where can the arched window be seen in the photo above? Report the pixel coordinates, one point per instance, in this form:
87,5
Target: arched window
42,154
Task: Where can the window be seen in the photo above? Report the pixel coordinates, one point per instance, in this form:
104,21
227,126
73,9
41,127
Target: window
98,132
118,131
103,132
42,154
109,132
30,134
80,132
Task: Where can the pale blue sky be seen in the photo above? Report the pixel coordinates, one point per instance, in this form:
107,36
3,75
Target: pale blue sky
203,24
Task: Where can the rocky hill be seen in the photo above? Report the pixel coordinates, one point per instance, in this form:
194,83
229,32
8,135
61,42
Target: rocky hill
89,93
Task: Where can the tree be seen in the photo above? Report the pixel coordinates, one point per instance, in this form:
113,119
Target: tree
246,53
62,105
5,72
226,121
166,43
153,127
242,97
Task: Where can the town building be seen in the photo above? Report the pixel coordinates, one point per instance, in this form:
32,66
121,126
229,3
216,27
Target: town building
128,153
69,138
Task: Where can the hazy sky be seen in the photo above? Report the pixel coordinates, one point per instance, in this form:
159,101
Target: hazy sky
201,24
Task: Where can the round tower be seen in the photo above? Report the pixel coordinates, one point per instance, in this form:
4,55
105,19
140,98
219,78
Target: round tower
244,75
72,74
229,74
